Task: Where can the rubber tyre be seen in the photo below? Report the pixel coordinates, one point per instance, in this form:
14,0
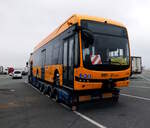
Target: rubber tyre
50,93
41,88
115,99
44,91
57,97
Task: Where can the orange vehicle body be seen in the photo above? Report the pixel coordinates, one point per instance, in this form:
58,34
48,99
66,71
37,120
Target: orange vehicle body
96,75
50,69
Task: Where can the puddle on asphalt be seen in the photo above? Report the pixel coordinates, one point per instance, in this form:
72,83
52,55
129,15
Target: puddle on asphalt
7,90
12,90
10,105
136,78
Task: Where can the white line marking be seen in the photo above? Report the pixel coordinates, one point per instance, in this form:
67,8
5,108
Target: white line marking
12,90
33,87
139,87
4,77
52,99
90,120
65,106
137,97
77,113
145,78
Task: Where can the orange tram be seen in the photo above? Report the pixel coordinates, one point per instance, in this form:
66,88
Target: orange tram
84,59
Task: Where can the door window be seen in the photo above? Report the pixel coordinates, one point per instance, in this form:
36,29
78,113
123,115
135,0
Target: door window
76,47
71,54
65,54
43,57
71,42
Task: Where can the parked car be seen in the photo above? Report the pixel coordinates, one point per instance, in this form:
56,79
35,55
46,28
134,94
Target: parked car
1,69
17,74
5,71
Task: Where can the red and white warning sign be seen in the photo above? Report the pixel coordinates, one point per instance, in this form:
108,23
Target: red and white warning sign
96,59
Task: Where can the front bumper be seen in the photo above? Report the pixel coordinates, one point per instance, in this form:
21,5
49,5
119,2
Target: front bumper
99,85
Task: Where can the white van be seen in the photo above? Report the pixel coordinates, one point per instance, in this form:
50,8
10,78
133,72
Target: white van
17,74
5,71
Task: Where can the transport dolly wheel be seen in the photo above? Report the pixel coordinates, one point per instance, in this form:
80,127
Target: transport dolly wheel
51,92
115,97
29,79
44,91
41,88
37,85
74,105
74,108
57,99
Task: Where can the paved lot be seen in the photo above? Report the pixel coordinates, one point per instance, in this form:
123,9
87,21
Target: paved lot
21,106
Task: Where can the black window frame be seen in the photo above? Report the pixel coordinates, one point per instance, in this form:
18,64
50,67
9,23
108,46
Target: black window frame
58,39
113,68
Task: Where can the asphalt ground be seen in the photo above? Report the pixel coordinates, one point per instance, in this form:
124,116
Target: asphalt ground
22,106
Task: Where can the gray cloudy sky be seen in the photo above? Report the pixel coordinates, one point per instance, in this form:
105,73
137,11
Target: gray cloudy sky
24,23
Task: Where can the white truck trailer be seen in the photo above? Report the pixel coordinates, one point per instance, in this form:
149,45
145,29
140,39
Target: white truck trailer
1,69
136,65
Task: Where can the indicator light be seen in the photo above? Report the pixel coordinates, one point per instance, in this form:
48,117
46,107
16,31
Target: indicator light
89,76
80,75
85,75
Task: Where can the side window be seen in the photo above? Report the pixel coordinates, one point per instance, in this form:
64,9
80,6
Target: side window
65,53
71,56
52,53
71,42
55,52
60,54
36,58
33,58
43,54
77,50
49,54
